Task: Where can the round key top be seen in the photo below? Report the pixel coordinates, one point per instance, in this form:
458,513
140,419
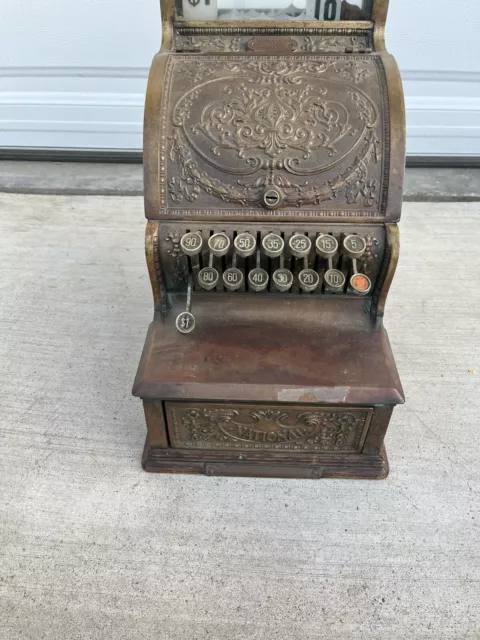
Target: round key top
360,284
273,245
354,246
282,279
219,244
245,244
191,243
308,280
185,322
334,280
326,246
258,279
208,278
299,245
232,278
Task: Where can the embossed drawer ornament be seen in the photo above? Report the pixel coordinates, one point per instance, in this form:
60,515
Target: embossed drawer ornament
274,428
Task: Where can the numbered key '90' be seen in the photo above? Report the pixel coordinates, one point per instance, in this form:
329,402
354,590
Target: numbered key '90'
191,243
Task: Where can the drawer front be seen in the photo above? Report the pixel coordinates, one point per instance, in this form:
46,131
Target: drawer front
257,427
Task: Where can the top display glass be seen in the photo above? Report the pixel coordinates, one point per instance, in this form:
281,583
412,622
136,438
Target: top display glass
329,10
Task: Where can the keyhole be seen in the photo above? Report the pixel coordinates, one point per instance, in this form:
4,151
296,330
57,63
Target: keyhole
272,199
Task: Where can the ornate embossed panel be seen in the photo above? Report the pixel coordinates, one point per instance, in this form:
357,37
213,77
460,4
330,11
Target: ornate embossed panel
273,428
200,43
311,127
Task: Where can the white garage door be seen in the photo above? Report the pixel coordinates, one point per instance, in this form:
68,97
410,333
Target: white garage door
73,73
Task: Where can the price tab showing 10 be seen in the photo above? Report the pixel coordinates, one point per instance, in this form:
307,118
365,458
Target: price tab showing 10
324,9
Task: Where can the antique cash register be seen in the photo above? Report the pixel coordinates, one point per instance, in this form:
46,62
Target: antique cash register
274,158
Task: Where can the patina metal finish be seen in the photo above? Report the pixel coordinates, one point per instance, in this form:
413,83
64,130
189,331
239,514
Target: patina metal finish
274,157
311,128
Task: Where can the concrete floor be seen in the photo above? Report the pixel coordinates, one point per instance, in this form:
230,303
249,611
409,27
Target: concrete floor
93,548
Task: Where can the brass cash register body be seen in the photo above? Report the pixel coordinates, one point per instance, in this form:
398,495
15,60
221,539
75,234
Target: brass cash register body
274,159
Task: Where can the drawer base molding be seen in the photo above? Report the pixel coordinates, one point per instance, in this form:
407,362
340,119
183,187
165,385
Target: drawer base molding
272,465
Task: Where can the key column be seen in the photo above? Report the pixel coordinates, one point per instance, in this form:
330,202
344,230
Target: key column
354,247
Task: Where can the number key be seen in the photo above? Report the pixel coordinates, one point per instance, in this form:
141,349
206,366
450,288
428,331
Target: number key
232,278
273,245
245,244
282,279
308,280
326,246
258,279
208,278
299,245
334,280
191,243
185,322
354,246
219,244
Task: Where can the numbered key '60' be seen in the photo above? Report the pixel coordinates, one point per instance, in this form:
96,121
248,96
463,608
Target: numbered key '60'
232,279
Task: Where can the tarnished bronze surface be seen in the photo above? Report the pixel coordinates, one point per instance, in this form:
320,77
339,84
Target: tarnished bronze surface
311,126
272,45
185,41
268,464
273,156
276,428
329,353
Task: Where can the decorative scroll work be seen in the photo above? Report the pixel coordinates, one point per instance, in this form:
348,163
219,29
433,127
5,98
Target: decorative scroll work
280,122
180,266
315,44
337,43
207,43
272,120
277,429
367,261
